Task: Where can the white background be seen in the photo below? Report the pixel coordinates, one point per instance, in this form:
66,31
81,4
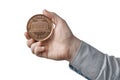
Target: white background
96,22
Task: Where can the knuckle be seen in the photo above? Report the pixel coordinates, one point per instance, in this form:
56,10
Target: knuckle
37,51
28,44
32,50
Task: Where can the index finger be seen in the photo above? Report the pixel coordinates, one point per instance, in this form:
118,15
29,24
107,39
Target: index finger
27,36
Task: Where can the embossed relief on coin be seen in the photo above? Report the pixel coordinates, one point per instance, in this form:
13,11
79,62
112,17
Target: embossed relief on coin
39,27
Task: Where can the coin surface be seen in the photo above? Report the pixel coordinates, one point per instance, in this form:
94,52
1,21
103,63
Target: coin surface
39,27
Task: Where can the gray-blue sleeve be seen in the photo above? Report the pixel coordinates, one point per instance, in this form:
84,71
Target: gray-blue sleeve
95,65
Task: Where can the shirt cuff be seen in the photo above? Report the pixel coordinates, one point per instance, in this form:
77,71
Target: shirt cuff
87,61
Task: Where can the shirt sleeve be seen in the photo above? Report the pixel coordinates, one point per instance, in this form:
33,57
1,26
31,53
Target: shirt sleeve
94,65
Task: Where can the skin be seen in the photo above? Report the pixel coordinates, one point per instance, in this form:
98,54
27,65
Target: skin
62,45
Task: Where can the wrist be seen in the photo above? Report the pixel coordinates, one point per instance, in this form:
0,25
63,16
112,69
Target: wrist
74,46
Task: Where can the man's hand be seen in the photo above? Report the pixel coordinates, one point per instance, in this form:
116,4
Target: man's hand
62,45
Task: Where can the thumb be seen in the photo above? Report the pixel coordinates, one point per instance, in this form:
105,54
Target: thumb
47,13
53,16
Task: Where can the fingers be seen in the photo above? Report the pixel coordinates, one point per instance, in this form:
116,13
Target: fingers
53,16
30,42
38,49
34,45
27,36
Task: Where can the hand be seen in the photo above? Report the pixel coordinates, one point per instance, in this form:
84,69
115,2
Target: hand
62,45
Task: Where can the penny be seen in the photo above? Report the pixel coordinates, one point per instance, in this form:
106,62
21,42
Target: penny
39,27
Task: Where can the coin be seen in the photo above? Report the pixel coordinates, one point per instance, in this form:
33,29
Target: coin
39,27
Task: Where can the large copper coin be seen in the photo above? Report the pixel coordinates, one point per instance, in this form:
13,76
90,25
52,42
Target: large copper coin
39,27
